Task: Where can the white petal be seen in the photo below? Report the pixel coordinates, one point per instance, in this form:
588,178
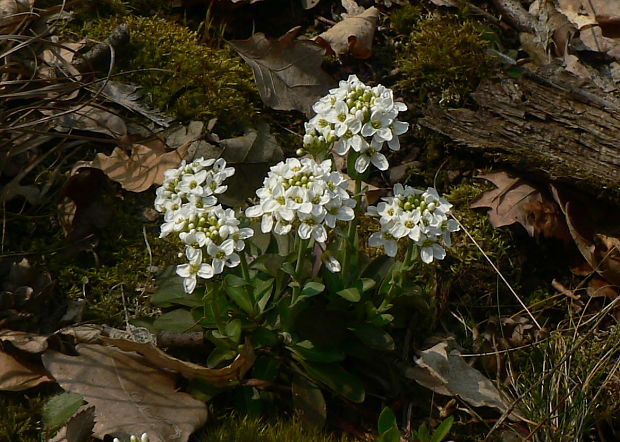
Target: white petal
379,161
266,223
426,254
361,164
254,211
189,284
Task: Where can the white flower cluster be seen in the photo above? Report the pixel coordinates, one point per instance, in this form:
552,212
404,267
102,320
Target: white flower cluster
132,438
421,216
304,194
359,117
210,233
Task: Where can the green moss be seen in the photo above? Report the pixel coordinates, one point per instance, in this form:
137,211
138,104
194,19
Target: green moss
257,430
443,59
182,77
20,417
404,19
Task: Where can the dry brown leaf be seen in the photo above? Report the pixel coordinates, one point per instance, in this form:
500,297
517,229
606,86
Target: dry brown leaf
29,342
129,396
16,375
143,168
11,13
516,201
87,333
352,8
600,250
352,35
446,372
220,377
596,20
79,428
287,71
90,118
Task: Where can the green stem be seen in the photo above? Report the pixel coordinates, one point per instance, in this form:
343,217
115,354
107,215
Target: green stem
245,273
212,295
300,246
350,246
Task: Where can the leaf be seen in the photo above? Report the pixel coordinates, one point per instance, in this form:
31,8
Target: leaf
386,421
79,428
60,408
337,379
129,396
287,71
308,401
89,118
309,4
11,13
141,169
443,429
30,342
179,320
220,377
351,294
595,233
448,374
310,289
307,350
374,337
170,291
353,35
516,201
16,375
252,154
127,96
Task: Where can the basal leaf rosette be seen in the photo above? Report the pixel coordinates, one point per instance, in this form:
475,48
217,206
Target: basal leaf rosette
358,117
415,216
304,195
210,233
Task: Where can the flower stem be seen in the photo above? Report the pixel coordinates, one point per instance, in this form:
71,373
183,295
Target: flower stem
350,247
300,245
212,295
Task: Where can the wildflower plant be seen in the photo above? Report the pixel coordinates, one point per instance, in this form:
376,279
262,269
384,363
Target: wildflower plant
288,275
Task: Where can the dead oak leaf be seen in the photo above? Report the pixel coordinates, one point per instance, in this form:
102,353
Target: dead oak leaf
17,375
287,71
353,35
145,166
129,396
28,342
516,201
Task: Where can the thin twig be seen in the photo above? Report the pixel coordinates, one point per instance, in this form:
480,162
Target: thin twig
497,271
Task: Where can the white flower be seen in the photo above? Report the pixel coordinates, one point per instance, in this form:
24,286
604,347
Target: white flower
132,438
415,215
190,271
302,194
359,117
223,255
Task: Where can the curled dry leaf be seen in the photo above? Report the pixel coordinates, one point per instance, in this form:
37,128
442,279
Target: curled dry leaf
17,375
11,13
91,119
598,22
287,71
445,372
599,244
516,201
353,35
29,342
220,377
129,396
145,166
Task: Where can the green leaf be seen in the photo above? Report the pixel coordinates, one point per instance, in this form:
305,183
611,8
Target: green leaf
306,350
232,280
219,355
262,337
308,401
386,420
442,430
266,368
423,433
179,320
285,244
59,409
391,435
171,292
242,298
233,330
337,379
310,289
374,337
367,284
351,294
263,289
